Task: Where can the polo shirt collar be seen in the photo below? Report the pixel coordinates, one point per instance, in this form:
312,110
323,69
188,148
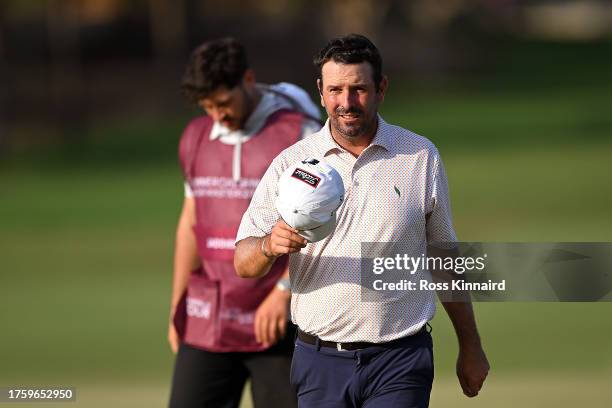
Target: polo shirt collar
381,138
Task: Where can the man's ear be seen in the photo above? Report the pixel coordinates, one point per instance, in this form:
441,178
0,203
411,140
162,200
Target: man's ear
248,79
382,88
320,88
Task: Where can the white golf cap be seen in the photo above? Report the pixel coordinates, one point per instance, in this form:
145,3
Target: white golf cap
309,193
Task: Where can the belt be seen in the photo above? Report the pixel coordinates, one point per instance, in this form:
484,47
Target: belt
311,339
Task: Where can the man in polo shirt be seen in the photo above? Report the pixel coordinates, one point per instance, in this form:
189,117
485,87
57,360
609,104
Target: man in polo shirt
352,353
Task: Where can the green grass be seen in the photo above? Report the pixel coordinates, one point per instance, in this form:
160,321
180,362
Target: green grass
86,260
533,391
476,118
554,193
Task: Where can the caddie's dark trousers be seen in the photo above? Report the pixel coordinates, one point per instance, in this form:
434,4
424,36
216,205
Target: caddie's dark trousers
215,380
398,376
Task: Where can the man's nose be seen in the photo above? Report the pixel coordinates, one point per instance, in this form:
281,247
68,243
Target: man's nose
348,100
216,113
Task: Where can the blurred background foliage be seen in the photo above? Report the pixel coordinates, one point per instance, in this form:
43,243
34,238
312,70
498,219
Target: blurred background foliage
516,95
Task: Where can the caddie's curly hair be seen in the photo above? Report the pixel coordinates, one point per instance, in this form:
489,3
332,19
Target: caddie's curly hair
214,64
351,49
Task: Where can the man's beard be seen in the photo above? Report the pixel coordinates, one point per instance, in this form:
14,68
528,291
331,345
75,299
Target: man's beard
351,132
248,102
248,107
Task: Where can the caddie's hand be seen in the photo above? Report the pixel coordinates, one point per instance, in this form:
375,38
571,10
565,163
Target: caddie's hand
472,369
271,317
173,338
284,240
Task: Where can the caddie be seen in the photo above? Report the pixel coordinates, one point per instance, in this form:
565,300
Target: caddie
225,329
350,352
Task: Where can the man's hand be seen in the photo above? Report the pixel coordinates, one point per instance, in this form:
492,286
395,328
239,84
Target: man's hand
283,240
271,317
173,337
472,364
472,369
254,256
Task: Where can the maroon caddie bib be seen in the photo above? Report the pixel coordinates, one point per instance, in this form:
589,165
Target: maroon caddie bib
217,311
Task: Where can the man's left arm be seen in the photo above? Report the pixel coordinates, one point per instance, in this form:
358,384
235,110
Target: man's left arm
472,363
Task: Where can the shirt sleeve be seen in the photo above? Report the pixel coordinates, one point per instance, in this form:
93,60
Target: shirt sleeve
261,215
439,219
188,191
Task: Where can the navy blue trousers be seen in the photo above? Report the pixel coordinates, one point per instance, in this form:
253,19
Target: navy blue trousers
398,376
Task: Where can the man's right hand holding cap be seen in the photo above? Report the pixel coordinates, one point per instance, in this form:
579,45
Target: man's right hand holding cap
282,240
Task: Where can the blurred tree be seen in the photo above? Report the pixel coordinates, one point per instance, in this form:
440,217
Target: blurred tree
434,15
69,104
279,9
3,94
1,33
168,27
354,16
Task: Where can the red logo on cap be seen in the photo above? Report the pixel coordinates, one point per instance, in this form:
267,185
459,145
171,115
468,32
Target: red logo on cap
306,177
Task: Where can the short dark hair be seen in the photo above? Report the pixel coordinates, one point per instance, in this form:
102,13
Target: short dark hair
214,64
351,49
